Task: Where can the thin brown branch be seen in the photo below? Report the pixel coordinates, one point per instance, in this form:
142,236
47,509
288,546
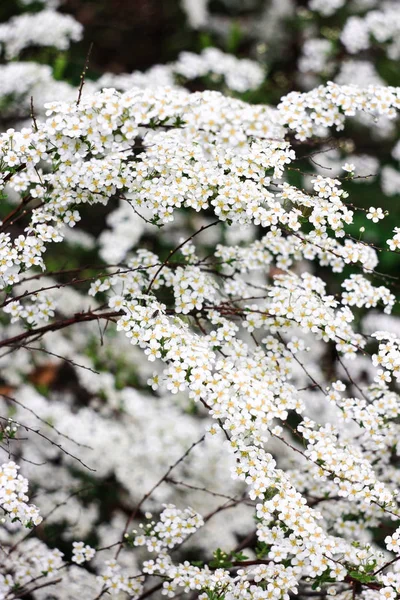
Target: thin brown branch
67,437
83,74
50,441
176,250
37,587
82,317
155,486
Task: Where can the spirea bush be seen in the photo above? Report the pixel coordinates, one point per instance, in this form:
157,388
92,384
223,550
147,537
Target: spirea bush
200,341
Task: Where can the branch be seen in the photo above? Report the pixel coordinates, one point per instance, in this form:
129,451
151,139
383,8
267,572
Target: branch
38,587
155,486
57,325
176,250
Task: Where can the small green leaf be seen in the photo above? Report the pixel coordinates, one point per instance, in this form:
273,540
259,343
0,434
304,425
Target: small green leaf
362,577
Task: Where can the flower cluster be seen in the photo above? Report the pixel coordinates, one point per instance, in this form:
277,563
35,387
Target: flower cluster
196,12
327,106
46,28
40,309
394,242
302,300
115,580
278,580
238,74
392,542
32,560
13,496
21,81
326,8
173,527
388,356
82,553
315,56
235,186
192,157
382,25
360,292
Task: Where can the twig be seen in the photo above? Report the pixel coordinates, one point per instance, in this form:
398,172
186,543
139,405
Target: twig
83,74
67,437
38,587
35,125
52,442
176,250
201,489
7,221
155,486
150,591
52,511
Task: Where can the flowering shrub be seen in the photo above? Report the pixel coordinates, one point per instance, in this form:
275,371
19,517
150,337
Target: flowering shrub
212,411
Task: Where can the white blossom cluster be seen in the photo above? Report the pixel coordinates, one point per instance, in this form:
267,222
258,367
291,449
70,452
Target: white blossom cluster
13,496
358,72
328,106
315,57
382,24
172,528
114,580
19,81
278,580
82,553
31,560
238,74
46,28
326,8
360,292
388,356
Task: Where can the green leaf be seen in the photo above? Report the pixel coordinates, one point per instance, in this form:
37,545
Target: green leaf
262,549
238,556
362,577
